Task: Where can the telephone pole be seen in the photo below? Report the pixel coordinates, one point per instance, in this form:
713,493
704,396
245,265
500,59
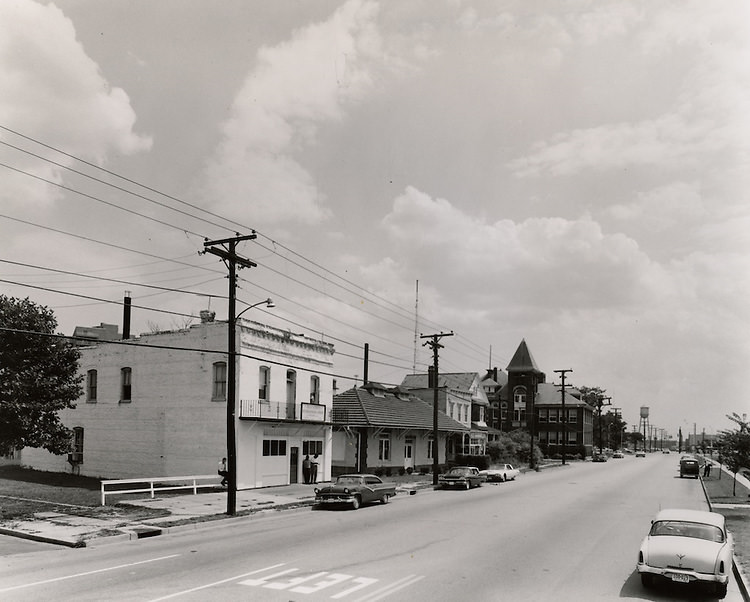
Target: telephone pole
435,345
563,418
226,249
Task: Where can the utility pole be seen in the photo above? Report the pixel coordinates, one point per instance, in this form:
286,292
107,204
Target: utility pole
435,345
226,249
599,404
563,418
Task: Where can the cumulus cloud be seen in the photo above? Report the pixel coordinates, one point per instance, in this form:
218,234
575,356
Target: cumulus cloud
539,262
53,91
294,88
708,118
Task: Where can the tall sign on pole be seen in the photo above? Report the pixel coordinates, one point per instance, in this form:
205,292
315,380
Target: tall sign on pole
435,345
227,249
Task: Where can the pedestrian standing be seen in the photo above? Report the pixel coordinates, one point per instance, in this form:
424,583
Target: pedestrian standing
314,469
223,472
707,470
306,465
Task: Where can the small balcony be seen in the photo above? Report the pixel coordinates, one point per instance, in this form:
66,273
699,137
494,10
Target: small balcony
262,409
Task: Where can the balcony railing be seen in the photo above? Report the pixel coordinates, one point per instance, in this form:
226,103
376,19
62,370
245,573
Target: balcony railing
282,410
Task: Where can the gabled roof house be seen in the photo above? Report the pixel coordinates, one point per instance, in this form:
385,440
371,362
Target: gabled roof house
381,428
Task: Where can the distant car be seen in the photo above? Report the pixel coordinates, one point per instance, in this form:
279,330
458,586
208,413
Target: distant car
640,454
355,490
464,477
665,451
687,546
598,458
618,454
504,472
689,466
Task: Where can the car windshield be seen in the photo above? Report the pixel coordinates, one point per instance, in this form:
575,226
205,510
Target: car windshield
678,528
348,481
459,471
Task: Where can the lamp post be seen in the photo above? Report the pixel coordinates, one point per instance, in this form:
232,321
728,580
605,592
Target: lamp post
269,303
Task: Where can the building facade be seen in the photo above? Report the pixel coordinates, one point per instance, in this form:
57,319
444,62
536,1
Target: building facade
528,402
156,405
380,429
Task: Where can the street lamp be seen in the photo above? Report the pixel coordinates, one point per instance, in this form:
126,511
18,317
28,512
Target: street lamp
269,303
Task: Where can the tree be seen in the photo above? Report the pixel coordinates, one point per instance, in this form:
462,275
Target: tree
735,447
38,378
513,448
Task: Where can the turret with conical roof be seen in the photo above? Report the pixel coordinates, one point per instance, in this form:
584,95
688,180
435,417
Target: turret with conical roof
523,377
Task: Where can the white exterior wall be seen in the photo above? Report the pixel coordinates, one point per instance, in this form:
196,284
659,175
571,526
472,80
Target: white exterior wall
281,351
172,426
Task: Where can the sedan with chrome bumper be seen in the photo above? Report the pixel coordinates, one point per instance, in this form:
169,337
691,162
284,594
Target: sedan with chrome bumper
689,547
355,490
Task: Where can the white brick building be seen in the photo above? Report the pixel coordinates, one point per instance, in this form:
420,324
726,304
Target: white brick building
156,406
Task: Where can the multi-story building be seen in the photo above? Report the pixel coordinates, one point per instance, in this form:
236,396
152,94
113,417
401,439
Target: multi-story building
156,405
537,406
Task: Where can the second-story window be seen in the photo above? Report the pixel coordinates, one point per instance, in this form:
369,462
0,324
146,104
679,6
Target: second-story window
291,387
519,395
126,384
219,392
264,383
91,377
314,389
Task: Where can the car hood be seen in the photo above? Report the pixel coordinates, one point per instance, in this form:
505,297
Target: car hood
681,552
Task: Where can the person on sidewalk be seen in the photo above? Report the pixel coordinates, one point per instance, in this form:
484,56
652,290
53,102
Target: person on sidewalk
314,469
306,464
707,470
223,472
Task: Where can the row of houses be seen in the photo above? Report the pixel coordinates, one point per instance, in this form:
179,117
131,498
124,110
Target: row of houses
155,406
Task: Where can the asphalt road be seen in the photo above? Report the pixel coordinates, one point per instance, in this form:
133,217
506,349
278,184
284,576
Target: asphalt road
563,534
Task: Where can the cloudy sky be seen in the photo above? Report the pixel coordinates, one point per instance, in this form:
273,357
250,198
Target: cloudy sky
572,173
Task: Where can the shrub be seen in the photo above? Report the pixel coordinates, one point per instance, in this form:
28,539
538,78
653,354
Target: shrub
409,470
401,471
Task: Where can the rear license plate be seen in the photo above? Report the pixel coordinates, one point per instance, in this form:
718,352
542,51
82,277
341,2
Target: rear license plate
680,578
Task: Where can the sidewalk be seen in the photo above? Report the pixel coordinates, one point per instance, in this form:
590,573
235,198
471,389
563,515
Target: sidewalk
81,531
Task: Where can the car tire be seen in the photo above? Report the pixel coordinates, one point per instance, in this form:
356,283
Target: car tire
505,478
356,503
384,499
647,580
721,591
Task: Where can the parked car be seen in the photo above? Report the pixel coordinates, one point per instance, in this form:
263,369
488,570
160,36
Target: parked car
618,454
598,458
640,454
689,466
355,490
687,546
501,473
464,477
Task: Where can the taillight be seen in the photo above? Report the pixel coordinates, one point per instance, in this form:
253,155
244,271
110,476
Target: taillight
640,557
721,567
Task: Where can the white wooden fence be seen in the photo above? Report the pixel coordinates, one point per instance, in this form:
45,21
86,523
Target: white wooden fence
156,484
